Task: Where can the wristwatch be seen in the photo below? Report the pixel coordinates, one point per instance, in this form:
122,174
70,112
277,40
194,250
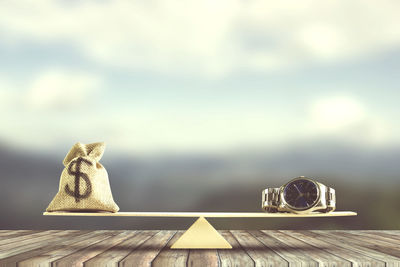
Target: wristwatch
300,195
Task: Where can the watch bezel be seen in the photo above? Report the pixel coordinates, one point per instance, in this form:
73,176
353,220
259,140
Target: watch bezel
282,190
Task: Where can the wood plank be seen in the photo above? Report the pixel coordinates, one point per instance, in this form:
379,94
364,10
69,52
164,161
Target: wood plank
203,257
356,258
43,248
382,246
261,255
389,232
397,232
235,256
203,214
144,255
8,232
20,238
384,233
338,240
79,257
377,236
29,244
294,255
68,247
259,248
171,257
12,234
15,233
114,255
318,255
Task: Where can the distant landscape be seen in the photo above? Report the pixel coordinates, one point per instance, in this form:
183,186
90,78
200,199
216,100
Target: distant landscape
202,105
366,181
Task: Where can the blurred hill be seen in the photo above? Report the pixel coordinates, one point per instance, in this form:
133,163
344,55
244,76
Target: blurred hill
366,181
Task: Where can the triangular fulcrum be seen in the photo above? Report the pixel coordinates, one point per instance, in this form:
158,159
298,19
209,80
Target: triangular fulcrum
201,235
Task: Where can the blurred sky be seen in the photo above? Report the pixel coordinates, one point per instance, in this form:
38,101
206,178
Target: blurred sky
155,76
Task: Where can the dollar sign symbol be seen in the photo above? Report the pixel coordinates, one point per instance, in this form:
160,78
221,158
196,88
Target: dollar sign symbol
78,174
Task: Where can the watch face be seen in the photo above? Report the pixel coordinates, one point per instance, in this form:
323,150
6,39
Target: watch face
301,194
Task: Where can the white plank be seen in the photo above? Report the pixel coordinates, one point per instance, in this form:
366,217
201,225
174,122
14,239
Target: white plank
203,214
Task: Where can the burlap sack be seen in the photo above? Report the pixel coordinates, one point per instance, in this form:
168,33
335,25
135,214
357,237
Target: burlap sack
84,184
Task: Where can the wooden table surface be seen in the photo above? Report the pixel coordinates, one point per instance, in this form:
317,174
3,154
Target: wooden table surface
250,248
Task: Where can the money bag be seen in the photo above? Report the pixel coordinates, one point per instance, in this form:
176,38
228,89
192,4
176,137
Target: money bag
84,184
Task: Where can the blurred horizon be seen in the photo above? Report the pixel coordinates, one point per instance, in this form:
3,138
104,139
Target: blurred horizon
364,182
199,99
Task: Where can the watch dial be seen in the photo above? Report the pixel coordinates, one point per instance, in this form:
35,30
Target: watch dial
301,194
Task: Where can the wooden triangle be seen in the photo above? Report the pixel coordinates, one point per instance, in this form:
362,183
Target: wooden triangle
201,235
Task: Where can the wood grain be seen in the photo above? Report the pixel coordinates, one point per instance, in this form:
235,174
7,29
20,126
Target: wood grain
203,257
375,237
152,248
368,242
56,241
19,237
14,248
79,257
69,247
114,255
261,254
350,244
389,234
235,256
171,257
321,257
14,233
294,255
341,250
145,253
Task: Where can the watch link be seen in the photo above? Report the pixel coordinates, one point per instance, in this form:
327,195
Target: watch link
300,195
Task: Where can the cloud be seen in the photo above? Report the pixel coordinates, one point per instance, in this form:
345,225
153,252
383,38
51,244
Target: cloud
49,109
7,95
60,89
345,117
150,129
335,113
207,38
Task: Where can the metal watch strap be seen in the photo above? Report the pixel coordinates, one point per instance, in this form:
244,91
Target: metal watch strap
330,199
270,199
